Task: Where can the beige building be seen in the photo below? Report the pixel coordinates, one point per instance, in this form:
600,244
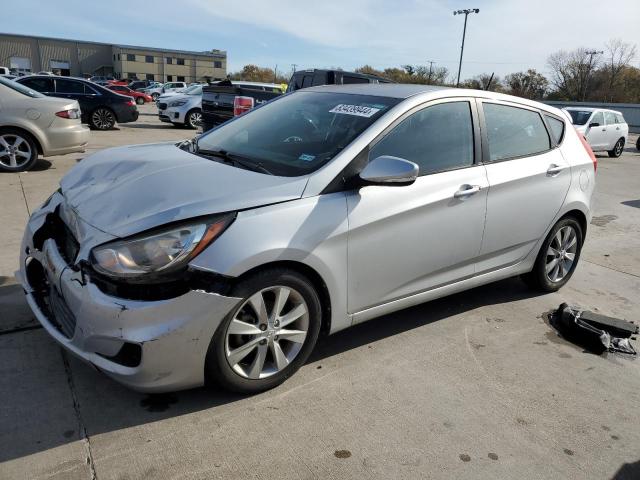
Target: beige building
30,54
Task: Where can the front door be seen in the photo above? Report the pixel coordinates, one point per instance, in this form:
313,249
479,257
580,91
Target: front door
528,182
405,240
597,135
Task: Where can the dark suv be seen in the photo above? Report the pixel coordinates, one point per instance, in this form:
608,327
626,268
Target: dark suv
315,77
100,107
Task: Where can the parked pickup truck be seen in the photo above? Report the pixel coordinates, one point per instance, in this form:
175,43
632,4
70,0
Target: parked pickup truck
224,100
315,77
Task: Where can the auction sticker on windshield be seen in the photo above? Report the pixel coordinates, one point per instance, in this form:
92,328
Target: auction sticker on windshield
357,110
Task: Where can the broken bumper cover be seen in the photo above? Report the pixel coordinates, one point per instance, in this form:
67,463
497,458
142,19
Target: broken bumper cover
169,338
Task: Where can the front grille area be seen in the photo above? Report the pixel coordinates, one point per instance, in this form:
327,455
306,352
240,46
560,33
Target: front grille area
49,300
56,229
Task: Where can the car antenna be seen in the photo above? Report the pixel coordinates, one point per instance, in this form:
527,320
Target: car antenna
489,82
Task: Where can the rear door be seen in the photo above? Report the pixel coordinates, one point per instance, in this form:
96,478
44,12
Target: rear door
528,182
405,240
613,129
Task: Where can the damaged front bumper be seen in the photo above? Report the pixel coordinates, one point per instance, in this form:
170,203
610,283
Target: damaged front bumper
149,346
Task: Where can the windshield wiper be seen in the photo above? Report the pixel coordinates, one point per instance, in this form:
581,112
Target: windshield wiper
234,160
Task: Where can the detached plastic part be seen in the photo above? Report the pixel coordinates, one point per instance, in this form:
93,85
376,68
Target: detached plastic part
597,333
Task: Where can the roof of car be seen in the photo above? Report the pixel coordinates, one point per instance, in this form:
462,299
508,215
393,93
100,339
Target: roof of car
591,109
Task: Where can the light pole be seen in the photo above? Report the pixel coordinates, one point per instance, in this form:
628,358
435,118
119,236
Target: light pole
466,12
431,62
591,53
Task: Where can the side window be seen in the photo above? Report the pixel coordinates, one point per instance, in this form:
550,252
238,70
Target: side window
598,118
610,118
39,84
307,81
620,118
131,57
557,128
514,132
437,138
348,79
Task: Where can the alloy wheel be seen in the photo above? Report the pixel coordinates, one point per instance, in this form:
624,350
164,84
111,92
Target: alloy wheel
561,254
267,332
15,151
103,119
618,148
195,119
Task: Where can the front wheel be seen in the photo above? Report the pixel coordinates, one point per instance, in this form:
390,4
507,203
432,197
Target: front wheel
193,119
558,256
155,96
269,335
617,149
140,100
102,119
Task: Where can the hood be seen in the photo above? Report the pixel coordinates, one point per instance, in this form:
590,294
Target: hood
123,191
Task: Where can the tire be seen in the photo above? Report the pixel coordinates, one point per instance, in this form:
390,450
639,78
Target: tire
562,270
617,149
140,100
261,364
155,96
102,118
193,119
18,150
638,144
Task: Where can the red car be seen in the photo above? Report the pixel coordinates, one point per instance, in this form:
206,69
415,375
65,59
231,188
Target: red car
122,81
139,97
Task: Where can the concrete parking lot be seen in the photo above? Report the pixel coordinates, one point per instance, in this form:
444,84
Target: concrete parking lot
473,386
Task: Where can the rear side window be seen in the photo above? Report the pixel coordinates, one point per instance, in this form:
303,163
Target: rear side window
514,132
557,128
620,118
437,138
348,79
610,118
69,86
39,84
307,81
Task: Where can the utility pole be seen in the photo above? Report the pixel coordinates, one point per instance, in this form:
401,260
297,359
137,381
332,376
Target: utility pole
431,62
591,54
293,68
275,73
466,12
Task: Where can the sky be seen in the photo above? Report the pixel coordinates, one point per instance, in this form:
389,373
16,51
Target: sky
506,36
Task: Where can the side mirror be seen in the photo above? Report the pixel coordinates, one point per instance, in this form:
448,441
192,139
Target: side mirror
388,170
594,124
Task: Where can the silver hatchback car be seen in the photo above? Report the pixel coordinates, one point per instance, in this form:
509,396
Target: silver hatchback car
224,258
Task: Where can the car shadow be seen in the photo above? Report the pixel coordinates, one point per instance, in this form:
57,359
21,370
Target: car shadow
154,126
105,406
628,471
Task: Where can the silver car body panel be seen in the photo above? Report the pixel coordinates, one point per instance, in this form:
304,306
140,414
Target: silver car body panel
376,249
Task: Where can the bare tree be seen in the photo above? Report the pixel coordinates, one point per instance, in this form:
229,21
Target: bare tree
571,72
529,84
618,56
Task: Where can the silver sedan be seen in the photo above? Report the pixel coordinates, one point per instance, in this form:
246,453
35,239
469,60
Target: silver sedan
224,258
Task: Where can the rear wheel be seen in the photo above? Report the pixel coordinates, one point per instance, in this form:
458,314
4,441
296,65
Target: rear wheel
617,149
638,144
102,118
269,336
140,100
558,256
18,151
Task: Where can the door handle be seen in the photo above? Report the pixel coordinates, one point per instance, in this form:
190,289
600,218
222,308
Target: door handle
554,170
467,191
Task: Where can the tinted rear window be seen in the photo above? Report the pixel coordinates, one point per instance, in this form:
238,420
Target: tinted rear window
39,84
349,79
579,117
69,86
514,132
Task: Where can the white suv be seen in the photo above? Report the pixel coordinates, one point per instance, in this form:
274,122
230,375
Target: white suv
605,130
158,90
182,109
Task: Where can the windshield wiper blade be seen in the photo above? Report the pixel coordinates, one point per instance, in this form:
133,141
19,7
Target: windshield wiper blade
235,160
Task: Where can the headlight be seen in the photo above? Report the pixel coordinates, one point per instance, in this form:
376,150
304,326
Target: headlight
158,252
177,103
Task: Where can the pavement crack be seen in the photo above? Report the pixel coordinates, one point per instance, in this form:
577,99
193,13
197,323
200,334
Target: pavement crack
20,329
24,195
82,429
611,268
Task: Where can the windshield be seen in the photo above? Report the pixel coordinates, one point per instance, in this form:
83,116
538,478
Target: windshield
297,134
20,88
194,90
579,117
